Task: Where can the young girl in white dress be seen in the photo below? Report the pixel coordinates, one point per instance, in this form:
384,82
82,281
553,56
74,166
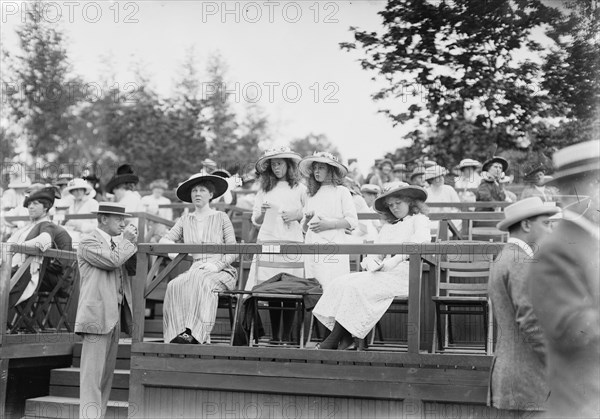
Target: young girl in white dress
328,212
352,304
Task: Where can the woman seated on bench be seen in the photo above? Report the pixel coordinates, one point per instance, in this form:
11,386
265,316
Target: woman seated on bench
190,305
353,304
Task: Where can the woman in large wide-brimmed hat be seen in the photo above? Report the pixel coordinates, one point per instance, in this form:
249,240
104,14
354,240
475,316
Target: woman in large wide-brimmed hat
535,185
468,180
328,212
122,185
353,304
491,188
190,305
276,214
83,203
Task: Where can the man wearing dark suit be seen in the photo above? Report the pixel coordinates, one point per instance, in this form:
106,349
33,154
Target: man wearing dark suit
518,375
104,303
565,286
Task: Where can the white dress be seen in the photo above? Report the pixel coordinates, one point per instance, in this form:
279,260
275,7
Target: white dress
281,198
357,301
329,202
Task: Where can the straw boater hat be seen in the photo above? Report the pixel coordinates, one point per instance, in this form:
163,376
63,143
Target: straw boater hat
322,157
400,167
125,174
435,171
20,183
524,209
495,159
111,208
401,190
369,188
468,163
159,183
78,183
46,192
276,153
184,190
575,160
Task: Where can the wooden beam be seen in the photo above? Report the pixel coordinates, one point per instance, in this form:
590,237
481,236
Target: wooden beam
414,303
139,306
5,270
156,282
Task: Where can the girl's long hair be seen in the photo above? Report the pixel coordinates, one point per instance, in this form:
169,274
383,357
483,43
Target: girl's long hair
313,186
268,180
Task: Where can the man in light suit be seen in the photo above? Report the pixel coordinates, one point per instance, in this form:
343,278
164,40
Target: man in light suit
565,286
518,375
104,303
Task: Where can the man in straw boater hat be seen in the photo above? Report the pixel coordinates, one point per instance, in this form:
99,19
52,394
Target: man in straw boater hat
518,377
491,188
565,286
40,234
104,306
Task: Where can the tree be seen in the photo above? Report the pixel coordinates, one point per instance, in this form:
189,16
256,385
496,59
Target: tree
307,145
43,91
468,62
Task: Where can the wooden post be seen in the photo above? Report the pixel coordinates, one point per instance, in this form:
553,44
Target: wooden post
3,385
5,271
414,300
141,226
443,230
139,302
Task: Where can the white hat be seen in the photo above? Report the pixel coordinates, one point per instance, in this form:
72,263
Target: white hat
576,159
20,182
370,188
468,163
432,172
524,209
322,157
78,183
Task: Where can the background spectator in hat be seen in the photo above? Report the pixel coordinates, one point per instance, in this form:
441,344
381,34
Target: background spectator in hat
190,305
208,165
400,172
535,185
83,203
352,304
123,185
438,191
328,213
354,171
65,199
384,175
39,233
94,182
468,180
18,189
564,286
152,202
491,188
369,193
232,183
518,375
417,177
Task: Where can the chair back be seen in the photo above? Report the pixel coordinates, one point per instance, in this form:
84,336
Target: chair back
463,277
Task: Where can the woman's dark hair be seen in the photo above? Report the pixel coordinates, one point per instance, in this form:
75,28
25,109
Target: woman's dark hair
208,185
313,186
268,180
415,206
129,186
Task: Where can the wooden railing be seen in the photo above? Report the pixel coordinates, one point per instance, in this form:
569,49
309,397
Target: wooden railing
419,253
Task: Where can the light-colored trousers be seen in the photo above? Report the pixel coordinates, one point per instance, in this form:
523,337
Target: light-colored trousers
98,361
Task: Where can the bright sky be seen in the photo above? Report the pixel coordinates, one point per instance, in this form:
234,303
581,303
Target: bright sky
287,51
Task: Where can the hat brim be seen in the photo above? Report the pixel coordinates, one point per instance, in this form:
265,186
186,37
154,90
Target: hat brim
121,179
261,164
184,191
500,160
305,166
475,165
411,191
87,188
113,213
562,176
533,212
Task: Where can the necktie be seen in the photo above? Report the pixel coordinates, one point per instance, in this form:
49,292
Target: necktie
112,244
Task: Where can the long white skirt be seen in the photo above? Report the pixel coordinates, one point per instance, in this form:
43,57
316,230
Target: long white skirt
191,301
358,301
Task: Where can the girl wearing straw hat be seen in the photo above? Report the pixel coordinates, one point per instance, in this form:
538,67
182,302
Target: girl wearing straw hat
328,212
468,181
353,304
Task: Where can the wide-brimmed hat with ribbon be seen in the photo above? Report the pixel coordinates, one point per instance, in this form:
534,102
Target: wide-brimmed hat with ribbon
575,160
111,208
49,193
495,159
78,183
401,190
435,171
524,209
125,174
276,153
184,190
322,157
468,163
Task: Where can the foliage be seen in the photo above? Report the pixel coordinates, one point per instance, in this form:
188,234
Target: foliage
307,145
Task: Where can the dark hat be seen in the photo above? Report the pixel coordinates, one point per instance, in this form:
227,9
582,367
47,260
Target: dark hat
125,174
184,190
221,172
63,179
88,175
111,208
532,170
495,159
402,190
49,193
